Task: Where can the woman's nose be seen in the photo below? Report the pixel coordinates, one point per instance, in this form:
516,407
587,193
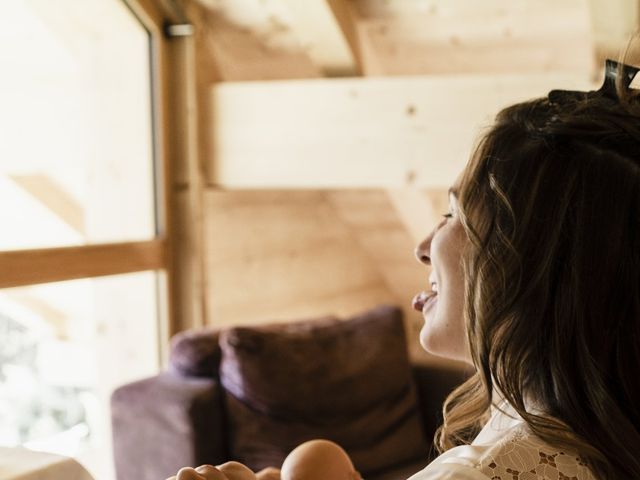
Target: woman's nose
423,250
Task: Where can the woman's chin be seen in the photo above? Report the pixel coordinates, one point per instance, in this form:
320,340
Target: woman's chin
430,341
427,341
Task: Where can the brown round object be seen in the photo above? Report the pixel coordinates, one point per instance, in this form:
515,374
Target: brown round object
318,460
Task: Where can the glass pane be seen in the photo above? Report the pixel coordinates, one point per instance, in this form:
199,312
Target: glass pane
75,124
65,347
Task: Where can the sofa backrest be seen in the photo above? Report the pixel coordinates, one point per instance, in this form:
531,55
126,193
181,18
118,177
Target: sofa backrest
346,380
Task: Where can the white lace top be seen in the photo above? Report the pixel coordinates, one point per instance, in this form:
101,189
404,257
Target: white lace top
505,449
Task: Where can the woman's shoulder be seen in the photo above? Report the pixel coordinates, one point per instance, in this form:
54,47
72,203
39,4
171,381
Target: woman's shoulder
517,455
522,455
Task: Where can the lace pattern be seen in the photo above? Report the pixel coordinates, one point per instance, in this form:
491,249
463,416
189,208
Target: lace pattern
522,456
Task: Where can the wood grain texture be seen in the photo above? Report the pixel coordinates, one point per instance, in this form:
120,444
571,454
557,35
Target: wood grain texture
449,37
345,16
283,255
25,267
185,186
245,52
54,198
359,133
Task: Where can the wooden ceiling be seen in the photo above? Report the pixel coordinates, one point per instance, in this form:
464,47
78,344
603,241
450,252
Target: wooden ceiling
286,39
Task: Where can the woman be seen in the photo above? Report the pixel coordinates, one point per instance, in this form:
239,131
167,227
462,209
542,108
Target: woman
535,281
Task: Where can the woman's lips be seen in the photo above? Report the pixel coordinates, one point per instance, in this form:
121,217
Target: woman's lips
421,299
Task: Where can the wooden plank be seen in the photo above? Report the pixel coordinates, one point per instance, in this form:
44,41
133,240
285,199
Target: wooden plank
385,239
415,210
321,37
185,185
247,42
53,197
329,271
345,17
447,37
359,133
613,24
285,253
26,267
53,316
188,257
150,12
256,224
343,303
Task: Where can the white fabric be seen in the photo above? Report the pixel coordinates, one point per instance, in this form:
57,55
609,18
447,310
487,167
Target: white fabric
21,464
506,449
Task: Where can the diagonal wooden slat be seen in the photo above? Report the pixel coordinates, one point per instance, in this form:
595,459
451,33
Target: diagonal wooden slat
54,198
346,18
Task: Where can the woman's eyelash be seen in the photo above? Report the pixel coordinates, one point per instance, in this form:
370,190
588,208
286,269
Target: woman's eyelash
447,215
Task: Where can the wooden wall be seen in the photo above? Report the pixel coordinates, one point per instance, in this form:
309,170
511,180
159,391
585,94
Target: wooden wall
310,193
280,255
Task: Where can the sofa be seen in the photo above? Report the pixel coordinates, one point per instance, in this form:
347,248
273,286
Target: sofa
253,393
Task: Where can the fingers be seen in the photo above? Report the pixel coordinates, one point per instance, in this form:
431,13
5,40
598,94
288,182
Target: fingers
226,471
237,471
269,473
188,473
209,472
203,472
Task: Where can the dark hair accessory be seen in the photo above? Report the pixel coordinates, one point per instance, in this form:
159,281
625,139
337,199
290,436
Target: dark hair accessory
608,89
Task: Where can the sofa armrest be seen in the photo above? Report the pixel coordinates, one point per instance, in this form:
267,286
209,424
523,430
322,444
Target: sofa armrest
433,385
166,422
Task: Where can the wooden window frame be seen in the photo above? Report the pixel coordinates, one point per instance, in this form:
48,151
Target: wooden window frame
45,265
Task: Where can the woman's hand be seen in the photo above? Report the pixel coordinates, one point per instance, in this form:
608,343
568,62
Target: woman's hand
203,472
226,471
269,473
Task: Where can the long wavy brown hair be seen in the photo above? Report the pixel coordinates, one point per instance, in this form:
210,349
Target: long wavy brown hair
551,204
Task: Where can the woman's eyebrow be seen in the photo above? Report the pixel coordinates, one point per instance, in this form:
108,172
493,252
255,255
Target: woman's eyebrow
453,191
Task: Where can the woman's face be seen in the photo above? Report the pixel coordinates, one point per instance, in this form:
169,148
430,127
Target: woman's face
443,332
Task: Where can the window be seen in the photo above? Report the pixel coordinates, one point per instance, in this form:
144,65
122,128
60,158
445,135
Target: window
82,243
76,149
66,346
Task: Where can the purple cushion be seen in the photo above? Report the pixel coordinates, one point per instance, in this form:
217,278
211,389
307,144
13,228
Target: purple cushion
345,380
195,353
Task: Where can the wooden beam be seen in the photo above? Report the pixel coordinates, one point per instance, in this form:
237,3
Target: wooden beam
53,197
26,267
360,133
187,83
346,18
416,211
53,316
458,37
613,23
321,37
246,43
